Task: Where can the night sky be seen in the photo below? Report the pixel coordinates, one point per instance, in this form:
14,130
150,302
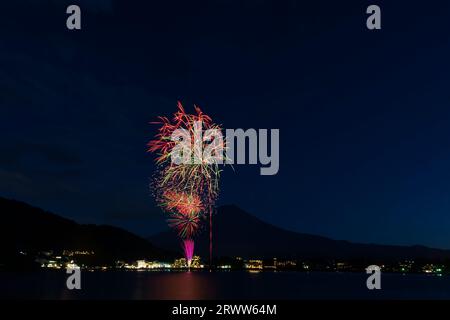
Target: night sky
364,116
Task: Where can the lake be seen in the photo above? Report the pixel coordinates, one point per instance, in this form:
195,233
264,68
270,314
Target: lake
220,285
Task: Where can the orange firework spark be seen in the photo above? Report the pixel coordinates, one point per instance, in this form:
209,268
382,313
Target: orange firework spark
182,202
185,212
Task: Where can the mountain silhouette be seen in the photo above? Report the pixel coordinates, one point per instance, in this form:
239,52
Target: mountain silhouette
238,233
29,229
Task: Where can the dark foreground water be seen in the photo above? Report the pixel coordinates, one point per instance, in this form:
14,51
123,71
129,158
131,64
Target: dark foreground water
220,285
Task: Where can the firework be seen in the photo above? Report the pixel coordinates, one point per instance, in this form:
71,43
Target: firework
188,247
200,174
186,225
182,202
188,190
184,212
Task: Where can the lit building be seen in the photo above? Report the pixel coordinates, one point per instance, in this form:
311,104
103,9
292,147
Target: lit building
180,263
432,268
52,264
343,266
224,266
253,264
72,265
144,265
282,264
406,266
196,263
141,264
70,253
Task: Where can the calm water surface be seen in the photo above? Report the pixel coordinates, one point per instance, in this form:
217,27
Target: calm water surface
220,285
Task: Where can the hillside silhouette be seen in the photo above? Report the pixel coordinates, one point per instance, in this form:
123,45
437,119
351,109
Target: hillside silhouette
29,229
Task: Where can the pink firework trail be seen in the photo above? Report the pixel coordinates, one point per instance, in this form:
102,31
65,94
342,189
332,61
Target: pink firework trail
188,247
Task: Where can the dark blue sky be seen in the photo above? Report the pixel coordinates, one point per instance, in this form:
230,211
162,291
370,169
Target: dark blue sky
364,117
